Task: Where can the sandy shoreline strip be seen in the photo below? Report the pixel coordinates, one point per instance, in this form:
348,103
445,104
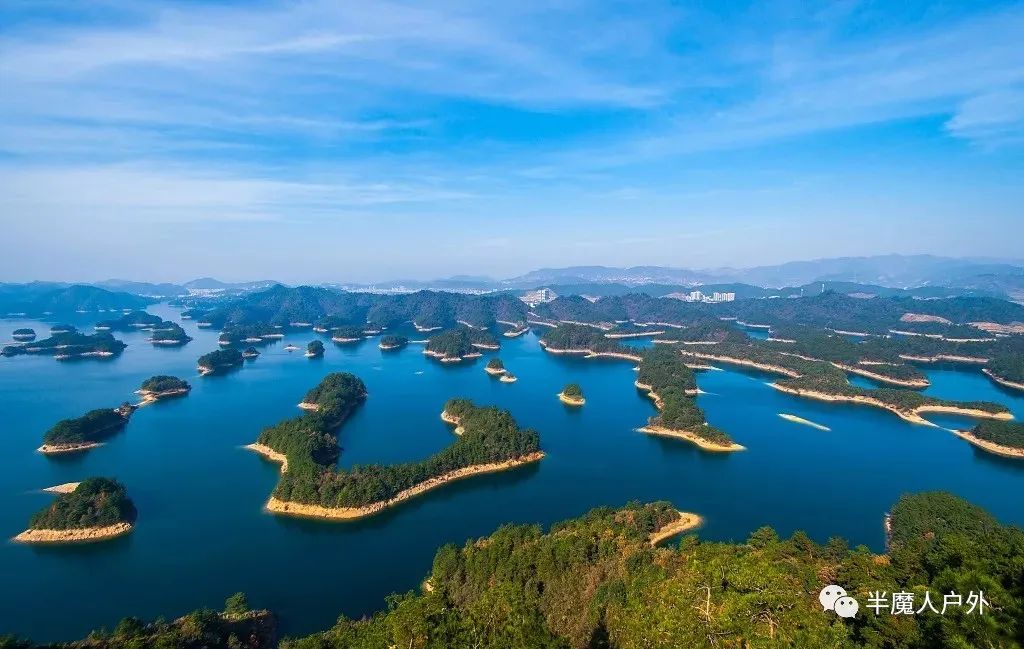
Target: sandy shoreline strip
686,521
570,401
65,488
991,447
913,416
350,513
59,449
449,418
1003,382
269,454
691,437
83,535
775,369
801,420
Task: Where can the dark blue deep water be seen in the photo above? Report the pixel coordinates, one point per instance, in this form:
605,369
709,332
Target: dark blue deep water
202,534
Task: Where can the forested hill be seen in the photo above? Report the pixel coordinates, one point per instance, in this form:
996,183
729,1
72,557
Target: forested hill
595,581
827,310
281,305
39,298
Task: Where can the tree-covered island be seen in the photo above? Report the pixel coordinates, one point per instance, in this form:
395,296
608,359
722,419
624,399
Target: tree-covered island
219,361
169,334
347,334
315,349
70,345
307,447
134,321
96,510
24,334
572,395
392,341
453,345
85,432
495,367
162,386
250,352
249,334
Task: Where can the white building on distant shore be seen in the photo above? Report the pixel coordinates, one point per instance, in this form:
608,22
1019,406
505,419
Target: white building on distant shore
698,296
533,298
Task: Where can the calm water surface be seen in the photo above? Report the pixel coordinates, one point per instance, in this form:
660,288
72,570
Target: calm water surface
202,535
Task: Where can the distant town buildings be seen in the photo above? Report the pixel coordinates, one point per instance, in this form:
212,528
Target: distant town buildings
699,296
533,298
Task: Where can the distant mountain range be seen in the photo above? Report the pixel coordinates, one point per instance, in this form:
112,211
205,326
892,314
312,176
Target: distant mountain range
914,275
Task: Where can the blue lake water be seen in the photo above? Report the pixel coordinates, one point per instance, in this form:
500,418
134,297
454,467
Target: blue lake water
202,534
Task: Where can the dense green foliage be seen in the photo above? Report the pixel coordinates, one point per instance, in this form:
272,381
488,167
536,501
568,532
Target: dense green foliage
169,332
391,341
40,298
662,367
310,444
460,341
714,331
164,383
1008,360
71,344
348,333
202,629
1004,433
577,337
220,360
96,502
131,322
329,308
573,391
93,426
596,582
495,364
249,333
315,349
24,333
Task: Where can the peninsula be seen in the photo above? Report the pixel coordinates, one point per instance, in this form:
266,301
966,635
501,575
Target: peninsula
85,432
97,509
162,386
999,437
307,448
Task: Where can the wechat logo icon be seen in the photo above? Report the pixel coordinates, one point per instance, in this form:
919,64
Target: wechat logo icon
834,598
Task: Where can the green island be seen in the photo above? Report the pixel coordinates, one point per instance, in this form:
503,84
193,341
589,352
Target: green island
162,386
572,395
347,334
62,329
219,361
315,349
85,432
251,333
462,342
69,345
131,322
495,367
24,334
392,341
250,352
96,510
581,339
307,447
169,334
604,580
1004,438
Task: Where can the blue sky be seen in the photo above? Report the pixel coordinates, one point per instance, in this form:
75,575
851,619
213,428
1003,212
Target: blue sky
334,141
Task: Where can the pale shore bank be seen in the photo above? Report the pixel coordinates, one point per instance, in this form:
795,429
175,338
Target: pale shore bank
693,438
269,454
82,535
801,420
305,405
495,371
991,447
913,416
686,521
1003,382
65,488
350,513
639,334
449,418
571,401
775,369
58,449
508,378
952,358
148,396
589,353
882,378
